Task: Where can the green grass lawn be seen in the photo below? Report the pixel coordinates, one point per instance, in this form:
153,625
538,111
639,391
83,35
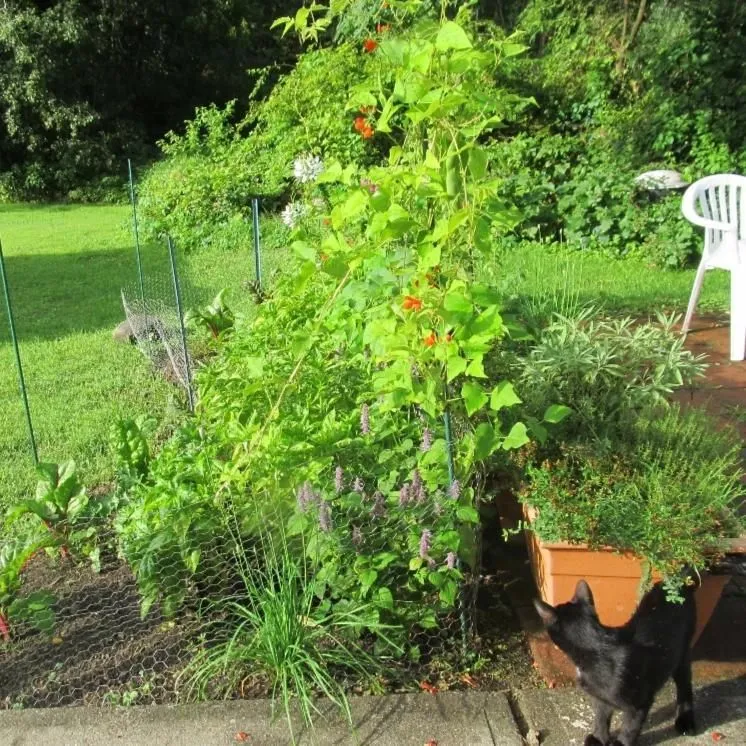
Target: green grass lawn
541,275
66,266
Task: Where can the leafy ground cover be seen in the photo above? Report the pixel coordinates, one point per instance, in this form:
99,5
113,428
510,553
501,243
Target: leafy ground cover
66,266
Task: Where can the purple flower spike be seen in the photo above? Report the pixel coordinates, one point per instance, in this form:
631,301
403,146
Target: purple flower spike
379,505
358,485
427,440
405,495
425,541
365,420
305,497
339,476
418,488
325,517
451,560
357,536
454,491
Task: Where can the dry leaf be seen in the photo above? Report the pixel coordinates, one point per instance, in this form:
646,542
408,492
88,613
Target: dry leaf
57,640
241,737
426,686
431,742
716,736
468,679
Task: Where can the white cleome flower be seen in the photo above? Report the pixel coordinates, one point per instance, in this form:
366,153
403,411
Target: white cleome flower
293,212
307,168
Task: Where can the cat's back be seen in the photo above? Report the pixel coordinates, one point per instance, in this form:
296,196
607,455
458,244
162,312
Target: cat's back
663,623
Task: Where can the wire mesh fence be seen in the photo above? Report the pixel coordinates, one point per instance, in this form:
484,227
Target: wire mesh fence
80,630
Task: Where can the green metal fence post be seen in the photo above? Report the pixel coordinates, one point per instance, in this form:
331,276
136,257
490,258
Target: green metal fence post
182,328
19,366
257,246
137,231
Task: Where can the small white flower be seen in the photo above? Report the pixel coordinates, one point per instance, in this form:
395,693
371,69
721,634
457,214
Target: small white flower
293,212
307,168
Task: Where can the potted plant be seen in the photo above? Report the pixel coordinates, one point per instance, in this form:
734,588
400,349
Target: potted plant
629,488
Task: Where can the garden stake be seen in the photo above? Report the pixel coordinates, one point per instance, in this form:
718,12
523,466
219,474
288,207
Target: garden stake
14,338
137,232
451,480
257,247
179,311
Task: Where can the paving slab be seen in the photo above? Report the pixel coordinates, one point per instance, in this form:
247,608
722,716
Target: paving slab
448,719
563,717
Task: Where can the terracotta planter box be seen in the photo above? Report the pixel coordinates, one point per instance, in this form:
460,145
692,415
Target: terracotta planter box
614,580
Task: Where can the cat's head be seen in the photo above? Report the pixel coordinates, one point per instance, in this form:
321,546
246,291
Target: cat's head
570,624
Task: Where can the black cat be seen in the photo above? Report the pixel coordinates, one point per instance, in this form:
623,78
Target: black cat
623,668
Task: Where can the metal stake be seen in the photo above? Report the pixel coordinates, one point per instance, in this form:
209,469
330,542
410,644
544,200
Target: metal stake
19,366
257,247
137,231
179,311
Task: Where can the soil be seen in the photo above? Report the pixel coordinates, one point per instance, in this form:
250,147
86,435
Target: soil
103,653
102,650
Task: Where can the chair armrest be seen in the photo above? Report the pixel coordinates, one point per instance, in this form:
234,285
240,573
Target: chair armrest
688,208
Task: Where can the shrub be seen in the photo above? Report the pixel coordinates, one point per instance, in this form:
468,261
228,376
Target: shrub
668,492
201,192
606,370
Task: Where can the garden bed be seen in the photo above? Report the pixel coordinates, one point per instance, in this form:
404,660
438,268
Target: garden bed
103,653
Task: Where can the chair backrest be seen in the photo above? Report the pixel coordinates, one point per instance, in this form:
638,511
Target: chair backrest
720,198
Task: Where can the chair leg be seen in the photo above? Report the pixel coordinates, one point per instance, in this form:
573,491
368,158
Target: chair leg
738,313
699,277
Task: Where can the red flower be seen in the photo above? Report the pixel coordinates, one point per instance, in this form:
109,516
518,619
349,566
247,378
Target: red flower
430,340
370,45
360,124
411,303
367,132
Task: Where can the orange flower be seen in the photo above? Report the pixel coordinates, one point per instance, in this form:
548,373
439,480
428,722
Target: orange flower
370,45
360,124
411,303
367,109
429,340
367,132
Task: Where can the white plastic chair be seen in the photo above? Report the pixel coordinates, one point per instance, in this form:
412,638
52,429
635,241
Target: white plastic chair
718,204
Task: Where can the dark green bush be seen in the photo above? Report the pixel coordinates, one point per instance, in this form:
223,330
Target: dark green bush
201,192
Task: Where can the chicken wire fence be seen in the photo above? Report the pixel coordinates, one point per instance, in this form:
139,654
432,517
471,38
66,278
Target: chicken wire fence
82,634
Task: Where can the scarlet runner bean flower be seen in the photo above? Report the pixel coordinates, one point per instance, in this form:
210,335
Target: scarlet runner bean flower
411,303
429,340
367,132
370,45
360,123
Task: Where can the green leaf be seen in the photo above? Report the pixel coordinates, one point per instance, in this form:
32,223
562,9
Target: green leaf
384,599
367,578
485,441
455,366
467,514
448,592
478,163
415,564
474,397
503,395
556,413
476,367
517,437
304,251
457,302
452,36
429,256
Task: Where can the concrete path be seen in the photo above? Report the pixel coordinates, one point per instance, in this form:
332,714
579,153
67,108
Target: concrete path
559,717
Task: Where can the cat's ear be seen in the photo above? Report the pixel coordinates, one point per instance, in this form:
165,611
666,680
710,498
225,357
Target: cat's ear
546,612
583,593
